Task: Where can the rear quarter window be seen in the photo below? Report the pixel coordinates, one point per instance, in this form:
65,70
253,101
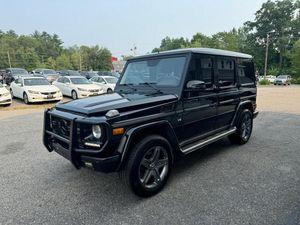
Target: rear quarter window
246,71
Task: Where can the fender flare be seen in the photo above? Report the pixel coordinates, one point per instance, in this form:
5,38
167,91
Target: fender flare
238,110
124,148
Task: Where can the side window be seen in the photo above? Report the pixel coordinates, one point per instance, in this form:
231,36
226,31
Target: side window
60,80
200,69
101,80
246,71
226,72
67,80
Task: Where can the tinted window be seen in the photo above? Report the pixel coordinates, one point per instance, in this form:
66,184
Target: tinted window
246,71
225,68
61,80
201,68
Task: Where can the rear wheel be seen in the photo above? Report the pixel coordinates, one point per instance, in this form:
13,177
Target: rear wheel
148,166
74,95
25,98
244,128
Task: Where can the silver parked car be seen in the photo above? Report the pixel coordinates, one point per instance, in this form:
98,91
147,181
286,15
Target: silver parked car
283,80
49,74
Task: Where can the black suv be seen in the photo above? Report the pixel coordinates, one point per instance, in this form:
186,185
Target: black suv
165,105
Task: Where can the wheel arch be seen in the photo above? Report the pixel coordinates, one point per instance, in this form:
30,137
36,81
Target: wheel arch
134,135
242,105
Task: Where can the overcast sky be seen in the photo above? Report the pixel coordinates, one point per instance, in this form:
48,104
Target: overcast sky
121,24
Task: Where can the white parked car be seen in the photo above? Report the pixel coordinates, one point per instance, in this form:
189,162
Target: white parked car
5,96
107,83
34,89
270,78
77,87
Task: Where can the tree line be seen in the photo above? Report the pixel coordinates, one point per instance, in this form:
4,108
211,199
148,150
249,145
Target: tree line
44,50
278,21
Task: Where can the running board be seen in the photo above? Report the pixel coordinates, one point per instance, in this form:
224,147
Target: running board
199,144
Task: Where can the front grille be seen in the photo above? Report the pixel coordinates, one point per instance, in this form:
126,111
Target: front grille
60,126
48,93
5,101
93,91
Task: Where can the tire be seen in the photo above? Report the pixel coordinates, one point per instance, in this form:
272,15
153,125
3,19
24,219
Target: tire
74,95
25,99
244,128
148,166
109,91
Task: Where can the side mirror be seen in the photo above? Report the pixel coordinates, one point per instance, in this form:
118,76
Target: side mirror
67,83
196,84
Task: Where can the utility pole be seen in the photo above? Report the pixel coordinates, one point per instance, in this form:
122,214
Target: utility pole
9,59
266,57
80,62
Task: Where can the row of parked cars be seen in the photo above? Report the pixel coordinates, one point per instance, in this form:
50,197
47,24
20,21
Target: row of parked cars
279,80
44,85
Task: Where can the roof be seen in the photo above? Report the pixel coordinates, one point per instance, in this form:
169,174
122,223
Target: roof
207,51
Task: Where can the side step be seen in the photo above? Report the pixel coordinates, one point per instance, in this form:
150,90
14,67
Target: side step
201,143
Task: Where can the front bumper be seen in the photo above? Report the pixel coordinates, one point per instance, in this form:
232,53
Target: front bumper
66,147
43,98
5,100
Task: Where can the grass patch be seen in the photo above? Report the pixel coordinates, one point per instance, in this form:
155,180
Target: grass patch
264,82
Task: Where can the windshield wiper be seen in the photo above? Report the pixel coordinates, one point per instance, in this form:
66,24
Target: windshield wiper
152,86
128,85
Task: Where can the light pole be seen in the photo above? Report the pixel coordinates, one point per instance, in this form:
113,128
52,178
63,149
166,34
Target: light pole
266,56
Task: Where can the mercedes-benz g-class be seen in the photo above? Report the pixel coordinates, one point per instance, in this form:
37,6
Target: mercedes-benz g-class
164,105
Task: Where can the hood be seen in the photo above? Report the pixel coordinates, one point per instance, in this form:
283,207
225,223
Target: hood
99,105
3,90
43,88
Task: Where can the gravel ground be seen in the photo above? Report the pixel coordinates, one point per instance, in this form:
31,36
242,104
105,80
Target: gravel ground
257,183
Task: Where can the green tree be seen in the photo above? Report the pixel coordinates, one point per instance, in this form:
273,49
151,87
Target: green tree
279,19
63,62
295,58
172,43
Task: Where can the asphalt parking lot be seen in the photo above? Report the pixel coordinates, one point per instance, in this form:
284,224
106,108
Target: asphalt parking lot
257,183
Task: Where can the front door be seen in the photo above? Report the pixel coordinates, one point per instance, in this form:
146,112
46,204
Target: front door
199,104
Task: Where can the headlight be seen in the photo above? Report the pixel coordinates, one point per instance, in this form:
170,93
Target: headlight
97,132
33,92
81,89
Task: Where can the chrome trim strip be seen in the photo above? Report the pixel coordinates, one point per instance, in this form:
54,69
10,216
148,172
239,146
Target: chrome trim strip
208,141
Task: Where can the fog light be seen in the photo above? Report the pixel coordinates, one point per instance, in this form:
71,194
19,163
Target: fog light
97,132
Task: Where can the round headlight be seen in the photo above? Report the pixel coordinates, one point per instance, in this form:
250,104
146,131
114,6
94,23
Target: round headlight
97,132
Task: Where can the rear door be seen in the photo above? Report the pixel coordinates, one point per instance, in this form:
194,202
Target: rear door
228,92
200,105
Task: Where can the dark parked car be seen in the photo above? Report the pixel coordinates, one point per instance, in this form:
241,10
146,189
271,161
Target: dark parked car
12,74
68,73
49,74
88,74
165,105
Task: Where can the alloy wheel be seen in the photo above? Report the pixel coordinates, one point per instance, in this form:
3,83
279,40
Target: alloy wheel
154,167
246,127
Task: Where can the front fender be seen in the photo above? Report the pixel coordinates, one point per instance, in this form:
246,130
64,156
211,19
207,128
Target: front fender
124,147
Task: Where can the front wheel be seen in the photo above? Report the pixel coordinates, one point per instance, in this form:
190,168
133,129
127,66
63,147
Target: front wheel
109,91
244,128
74,95
25,98
148,166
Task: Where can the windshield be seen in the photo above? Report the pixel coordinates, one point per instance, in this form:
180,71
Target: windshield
19,71
160,72
111,80
35,82
80,80
73,73
282,77
49,72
